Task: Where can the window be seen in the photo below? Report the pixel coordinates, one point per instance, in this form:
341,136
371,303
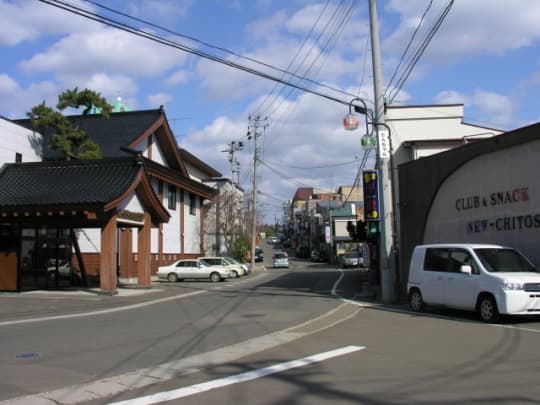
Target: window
436,259
192,204
460,258
172,197
504,260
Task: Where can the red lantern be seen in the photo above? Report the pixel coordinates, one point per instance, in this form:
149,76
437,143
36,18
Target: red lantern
351,122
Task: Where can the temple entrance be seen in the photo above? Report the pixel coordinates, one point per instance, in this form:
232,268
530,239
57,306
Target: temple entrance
45,259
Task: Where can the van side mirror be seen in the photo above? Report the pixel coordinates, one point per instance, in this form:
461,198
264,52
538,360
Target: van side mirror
465,269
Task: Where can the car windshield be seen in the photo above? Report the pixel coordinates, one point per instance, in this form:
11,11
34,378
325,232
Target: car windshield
280,256
352,255
231,260
504,260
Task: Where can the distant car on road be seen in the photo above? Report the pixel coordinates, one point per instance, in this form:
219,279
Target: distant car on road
192,269
280,259
352,259
259,254
272,240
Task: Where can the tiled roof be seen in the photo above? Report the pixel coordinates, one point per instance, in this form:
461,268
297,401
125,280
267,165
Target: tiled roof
111,134
67,183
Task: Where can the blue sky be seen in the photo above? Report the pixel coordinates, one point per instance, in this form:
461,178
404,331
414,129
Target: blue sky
486,55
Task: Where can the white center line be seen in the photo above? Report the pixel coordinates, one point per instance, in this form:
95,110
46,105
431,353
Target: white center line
238,378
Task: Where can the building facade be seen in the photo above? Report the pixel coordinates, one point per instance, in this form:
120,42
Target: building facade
110,249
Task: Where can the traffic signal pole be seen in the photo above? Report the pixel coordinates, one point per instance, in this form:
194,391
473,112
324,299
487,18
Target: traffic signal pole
386,246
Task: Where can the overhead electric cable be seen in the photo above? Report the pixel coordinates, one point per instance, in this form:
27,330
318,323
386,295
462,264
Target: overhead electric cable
420,51
308,69
408,46
294,58
338,24
108,21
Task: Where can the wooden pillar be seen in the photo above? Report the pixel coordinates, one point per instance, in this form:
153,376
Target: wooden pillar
107,268
144,269
126,254
202,213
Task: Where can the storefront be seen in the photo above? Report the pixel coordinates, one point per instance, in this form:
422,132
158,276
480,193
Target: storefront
485,192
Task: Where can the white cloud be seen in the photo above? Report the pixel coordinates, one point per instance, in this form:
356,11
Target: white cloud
28,20
16,100
178,77
159,99
499,107
472,28
451,97
104,50
7,85
165,11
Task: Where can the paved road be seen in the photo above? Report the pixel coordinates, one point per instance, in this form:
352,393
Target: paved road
260,339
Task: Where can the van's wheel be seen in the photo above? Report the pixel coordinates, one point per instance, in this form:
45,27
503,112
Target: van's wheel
415,300
172,277
215,277
234,274
487,309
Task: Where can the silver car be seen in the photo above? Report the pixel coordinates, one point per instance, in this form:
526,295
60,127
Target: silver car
352,259
192,269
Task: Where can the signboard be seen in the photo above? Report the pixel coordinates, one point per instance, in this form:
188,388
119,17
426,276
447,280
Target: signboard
384,143
371,195
327,236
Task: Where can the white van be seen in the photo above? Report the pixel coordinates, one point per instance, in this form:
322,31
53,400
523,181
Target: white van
490,279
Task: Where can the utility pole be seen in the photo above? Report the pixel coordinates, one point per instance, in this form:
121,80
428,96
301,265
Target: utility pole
386,248
232,147
254,132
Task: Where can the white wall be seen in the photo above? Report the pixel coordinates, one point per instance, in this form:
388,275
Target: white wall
16,139
192,231
467,207
171,229
157,154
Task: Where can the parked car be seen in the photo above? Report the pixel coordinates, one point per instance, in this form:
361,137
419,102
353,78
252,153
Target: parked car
280,259
351,259
490,279
319,256
245,266
192,269
259,254
236,268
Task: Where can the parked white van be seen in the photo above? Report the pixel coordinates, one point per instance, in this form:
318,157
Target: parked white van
490,279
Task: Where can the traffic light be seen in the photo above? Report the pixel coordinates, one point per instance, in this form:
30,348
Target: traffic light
372,228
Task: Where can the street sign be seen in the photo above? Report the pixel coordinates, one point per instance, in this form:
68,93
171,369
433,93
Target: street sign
384,143
371,195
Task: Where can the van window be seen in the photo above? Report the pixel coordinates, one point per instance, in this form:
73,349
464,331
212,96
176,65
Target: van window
504,260
460,257
436,259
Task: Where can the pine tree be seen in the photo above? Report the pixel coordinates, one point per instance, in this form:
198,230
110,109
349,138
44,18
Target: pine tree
68,137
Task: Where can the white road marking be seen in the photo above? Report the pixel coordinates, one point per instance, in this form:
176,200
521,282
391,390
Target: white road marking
102,311
238,378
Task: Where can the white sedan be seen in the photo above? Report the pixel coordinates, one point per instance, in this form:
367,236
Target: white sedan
197,269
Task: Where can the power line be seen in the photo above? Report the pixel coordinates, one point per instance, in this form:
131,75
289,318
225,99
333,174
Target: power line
338,23
420,51
409,45
64,5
